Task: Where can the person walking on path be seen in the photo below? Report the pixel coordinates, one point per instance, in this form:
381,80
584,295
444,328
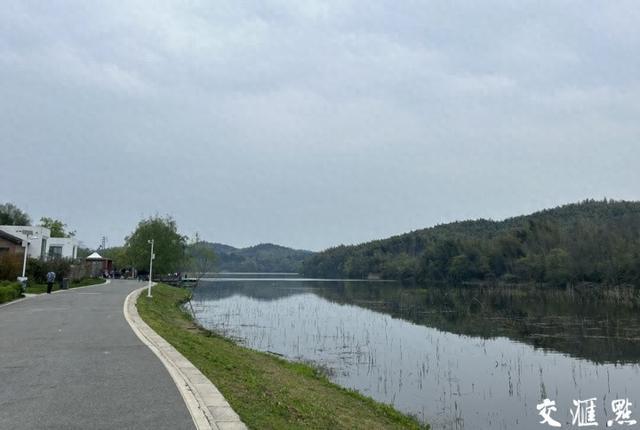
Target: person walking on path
51,277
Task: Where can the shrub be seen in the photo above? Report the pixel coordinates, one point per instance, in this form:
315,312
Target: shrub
9,291
10,266
37,269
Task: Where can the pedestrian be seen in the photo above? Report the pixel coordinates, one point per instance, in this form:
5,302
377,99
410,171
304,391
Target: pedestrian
51,277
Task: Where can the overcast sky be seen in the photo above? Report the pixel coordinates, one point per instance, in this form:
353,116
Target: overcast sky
309,123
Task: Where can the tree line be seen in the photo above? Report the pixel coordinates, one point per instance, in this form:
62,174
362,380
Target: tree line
10,214
265,257
179,253
591,241
174,251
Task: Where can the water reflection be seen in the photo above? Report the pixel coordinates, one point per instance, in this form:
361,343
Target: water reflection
477,358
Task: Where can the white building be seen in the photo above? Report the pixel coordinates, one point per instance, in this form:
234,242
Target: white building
38,238
41,244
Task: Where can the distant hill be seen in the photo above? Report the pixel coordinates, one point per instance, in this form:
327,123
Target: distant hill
265,257
220,248
591,241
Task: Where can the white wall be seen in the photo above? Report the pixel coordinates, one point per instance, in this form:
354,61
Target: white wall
37,247
69,246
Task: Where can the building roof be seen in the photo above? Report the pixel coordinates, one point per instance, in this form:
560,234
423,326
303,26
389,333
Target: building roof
10,237
95,256
23,230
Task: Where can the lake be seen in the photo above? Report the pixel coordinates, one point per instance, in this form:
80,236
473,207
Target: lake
456,357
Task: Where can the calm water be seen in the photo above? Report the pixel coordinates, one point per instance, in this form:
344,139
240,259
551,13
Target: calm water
458,358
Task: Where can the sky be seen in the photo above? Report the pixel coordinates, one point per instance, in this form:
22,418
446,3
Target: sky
314,123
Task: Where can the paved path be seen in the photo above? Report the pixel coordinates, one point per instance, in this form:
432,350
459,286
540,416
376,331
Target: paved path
71,361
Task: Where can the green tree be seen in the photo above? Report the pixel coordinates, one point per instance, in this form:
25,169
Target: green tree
119,256
461,268
57,227
201,258
83,252
530,268
557,264
169,245
436,259
10,214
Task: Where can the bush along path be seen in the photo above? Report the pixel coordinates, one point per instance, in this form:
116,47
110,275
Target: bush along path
10,291
267,392
38,288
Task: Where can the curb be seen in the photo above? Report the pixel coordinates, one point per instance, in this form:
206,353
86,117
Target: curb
207,406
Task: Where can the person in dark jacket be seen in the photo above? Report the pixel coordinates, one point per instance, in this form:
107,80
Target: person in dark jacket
51,277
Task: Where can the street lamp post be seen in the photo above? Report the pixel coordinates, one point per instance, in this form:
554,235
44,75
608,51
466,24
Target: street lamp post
150,268
23,279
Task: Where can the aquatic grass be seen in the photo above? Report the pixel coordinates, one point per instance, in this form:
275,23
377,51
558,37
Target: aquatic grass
266,391
452,356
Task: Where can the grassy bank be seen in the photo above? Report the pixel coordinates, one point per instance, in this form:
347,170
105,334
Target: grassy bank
33,288
9,291
267,392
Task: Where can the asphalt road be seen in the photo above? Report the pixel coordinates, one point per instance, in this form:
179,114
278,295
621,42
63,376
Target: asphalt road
70,361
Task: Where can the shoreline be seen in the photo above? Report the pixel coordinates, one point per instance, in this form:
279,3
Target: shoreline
265,390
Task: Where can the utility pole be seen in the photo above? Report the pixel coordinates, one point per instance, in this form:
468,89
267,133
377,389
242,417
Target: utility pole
150,268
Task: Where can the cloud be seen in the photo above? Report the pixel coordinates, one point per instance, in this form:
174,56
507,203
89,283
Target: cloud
313,123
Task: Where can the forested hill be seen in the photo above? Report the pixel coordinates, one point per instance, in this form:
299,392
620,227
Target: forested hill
265,257
592,241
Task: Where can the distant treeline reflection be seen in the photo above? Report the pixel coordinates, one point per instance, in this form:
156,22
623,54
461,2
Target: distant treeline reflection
601,325
598,324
